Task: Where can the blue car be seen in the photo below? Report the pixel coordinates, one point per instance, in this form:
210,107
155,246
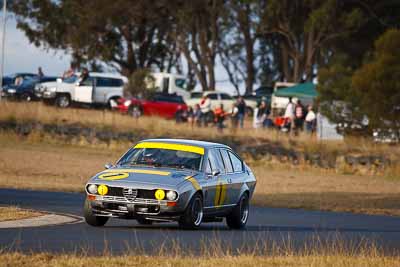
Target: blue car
25,89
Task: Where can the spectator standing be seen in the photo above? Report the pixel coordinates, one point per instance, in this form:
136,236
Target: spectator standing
263,115
299,116
190,116
219,114
205,106
234,116
311,120
241,105
289,113
180,115
197,115
40,72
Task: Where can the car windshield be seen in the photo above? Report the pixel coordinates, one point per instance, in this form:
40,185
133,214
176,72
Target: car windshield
71,79
157,157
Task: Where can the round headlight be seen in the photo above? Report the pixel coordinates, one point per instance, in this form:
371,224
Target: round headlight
159,194
92,189
172,195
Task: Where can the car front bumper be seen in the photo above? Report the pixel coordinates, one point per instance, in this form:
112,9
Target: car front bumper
120,207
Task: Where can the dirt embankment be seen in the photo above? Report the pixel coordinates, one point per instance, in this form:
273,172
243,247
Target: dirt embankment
349,161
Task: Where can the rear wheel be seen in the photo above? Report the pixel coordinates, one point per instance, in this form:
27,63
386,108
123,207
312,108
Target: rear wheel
237,219
193,215
90,218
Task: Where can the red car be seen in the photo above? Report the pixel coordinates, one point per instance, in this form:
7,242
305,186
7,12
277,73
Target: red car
162,105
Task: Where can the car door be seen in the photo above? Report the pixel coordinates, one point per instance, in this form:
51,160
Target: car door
237,178
214,100
101,90
215,194
84,90
228,176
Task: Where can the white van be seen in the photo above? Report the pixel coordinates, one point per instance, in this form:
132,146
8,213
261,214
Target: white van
169,83
98,88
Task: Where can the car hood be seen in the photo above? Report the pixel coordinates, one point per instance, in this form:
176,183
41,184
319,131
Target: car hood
143,177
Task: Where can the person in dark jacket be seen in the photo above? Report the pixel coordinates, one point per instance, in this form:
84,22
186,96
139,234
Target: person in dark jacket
241,105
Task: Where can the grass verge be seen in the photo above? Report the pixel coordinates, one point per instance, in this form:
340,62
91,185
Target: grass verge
15,213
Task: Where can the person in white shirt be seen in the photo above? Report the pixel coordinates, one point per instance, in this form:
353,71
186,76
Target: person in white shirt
205,107
289,113
310,120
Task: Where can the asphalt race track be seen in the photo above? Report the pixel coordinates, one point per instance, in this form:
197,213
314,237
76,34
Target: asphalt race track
265,225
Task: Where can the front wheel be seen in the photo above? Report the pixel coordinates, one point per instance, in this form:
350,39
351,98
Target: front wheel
237,219
90,218
63,101
193,215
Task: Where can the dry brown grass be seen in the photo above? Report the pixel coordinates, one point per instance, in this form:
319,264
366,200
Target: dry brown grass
154,127
15,213
33,165
334,254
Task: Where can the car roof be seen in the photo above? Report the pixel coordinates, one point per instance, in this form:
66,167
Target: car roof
203,144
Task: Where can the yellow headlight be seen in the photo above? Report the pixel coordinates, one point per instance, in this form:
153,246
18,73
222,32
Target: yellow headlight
102,190
159,194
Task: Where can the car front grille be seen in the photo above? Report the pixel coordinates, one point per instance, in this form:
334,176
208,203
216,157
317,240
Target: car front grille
130,193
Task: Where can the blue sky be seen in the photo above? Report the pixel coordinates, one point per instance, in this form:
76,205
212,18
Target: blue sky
21,56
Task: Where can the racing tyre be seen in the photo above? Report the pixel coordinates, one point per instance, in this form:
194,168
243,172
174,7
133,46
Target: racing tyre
92,219
144,221
193,215
237,219
63,101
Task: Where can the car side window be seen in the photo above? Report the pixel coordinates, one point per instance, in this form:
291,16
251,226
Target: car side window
208,167
213,96
217,163
236,162
215,160
87,82
226,97
227,161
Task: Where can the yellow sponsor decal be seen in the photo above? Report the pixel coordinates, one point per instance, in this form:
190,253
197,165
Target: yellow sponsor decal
220,194
179,147
102,190
114,176
159,194
194,182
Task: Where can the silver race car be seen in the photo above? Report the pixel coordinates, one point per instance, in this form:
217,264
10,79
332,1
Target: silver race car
172,180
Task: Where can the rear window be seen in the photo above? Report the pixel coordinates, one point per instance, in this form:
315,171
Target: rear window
226,97
236,162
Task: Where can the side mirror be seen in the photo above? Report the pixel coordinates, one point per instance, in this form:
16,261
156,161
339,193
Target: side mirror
215,173
108,166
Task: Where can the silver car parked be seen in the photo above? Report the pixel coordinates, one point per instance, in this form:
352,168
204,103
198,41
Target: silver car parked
172,180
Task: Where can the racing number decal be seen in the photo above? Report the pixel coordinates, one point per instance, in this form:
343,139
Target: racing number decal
220,194
113,175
